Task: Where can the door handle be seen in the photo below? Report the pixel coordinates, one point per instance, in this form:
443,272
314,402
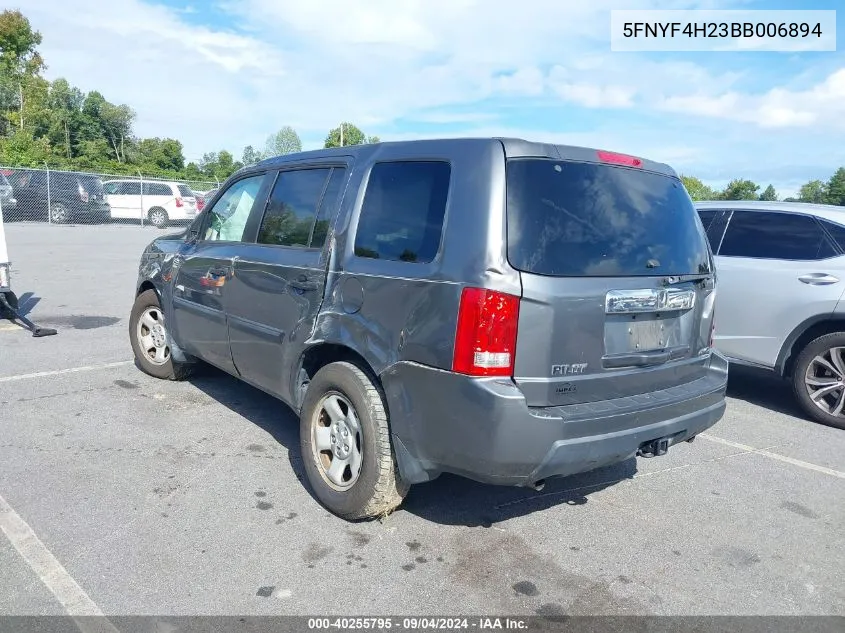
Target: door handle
818,279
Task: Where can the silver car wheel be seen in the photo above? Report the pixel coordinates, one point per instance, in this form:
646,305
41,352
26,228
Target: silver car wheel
825,381
158,217
59,213
152,336
337,442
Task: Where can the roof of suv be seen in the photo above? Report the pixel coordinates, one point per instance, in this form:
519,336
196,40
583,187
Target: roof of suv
514,148
827,211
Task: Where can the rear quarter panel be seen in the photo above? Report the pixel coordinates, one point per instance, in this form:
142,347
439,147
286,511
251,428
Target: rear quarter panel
393,311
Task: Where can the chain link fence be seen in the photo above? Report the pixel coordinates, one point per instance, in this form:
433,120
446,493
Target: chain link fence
79,197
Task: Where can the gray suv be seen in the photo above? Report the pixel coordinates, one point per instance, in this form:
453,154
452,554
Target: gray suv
499,309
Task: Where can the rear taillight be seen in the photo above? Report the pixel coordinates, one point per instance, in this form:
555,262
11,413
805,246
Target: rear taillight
83,195
178,202
200,204
485,339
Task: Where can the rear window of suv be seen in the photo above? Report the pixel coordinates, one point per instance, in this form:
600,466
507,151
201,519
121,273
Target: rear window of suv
572,219
186,192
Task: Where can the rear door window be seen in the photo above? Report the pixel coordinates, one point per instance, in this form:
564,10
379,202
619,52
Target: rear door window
157,189
572,219
836,231
768,235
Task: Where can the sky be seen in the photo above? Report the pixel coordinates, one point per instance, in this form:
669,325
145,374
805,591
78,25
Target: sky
224,74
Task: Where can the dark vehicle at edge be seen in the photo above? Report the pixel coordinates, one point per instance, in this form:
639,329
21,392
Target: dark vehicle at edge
59,196
499,309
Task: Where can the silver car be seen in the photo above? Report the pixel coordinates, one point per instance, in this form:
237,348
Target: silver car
781,272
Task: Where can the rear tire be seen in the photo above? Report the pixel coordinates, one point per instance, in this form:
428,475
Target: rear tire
355,433
158,217
821,366
151,341
59,213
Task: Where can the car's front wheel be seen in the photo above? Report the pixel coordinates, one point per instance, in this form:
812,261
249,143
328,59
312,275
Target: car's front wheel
818,379
151,341
345,444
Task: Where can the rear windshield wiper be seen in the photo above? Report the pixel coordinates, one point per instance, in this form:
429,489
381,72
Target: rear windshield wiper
679,279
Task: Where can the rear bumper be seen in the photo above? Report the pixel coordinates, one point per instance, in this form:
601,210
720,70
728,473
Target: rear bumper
97,210
482,428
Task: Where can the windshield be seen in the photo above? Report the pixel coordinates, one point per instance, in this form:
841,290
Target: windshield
573,219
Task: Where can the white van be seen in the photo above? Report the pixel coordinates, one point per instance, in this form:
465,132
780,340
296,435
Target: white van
159,202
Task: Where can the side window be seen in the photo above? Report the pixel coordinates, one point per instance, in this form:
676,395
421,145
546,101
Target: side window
403,210
762,235
836,231
228,216
130,188
706,216
328,207
111,188
157,189
292,207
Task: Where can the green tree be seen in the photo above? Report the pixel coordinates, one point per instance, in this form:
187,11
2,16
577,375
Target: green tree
21,148
836,188
740,190
696,189
161,154
769,194
20,62
251,156
814,191
285,141
345,134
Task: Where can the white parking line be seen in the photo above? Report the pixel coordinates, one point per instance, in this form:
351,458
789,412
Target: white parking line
57,372
777,456
55,577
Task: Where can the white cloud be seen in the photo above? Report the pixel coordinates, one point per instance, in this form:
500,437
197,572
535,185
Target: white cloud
822,104
375,62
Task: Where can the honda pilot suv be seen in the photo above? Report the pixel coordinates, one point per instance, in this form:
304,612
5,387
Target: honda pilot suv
499,309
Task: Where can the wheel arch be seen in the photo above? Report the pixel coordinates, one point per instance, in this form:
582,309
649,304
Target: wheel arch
805,332
317,356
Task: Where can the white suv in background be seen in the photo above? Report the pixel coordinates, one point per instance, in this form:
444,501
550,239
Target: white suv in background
781,270
158,202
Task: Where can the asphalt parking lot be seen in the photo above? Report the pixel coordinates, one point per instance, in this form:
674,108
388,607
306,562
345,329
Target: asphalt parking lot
125,495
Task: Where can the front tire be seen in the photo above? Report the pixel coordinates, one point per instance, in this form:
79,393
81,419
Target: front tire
818,379
345,444
151,341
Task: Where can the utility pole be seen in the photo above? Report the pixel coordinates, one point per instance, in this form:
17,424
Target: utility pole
341,134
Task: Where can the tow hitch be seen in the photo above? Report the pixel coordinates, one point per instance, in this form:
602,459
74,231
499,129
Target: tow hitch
654,448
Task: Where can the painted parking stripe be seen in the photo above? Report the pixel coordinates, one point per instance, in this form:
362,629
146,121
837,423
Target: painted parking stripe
58,372
52,573
777,456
